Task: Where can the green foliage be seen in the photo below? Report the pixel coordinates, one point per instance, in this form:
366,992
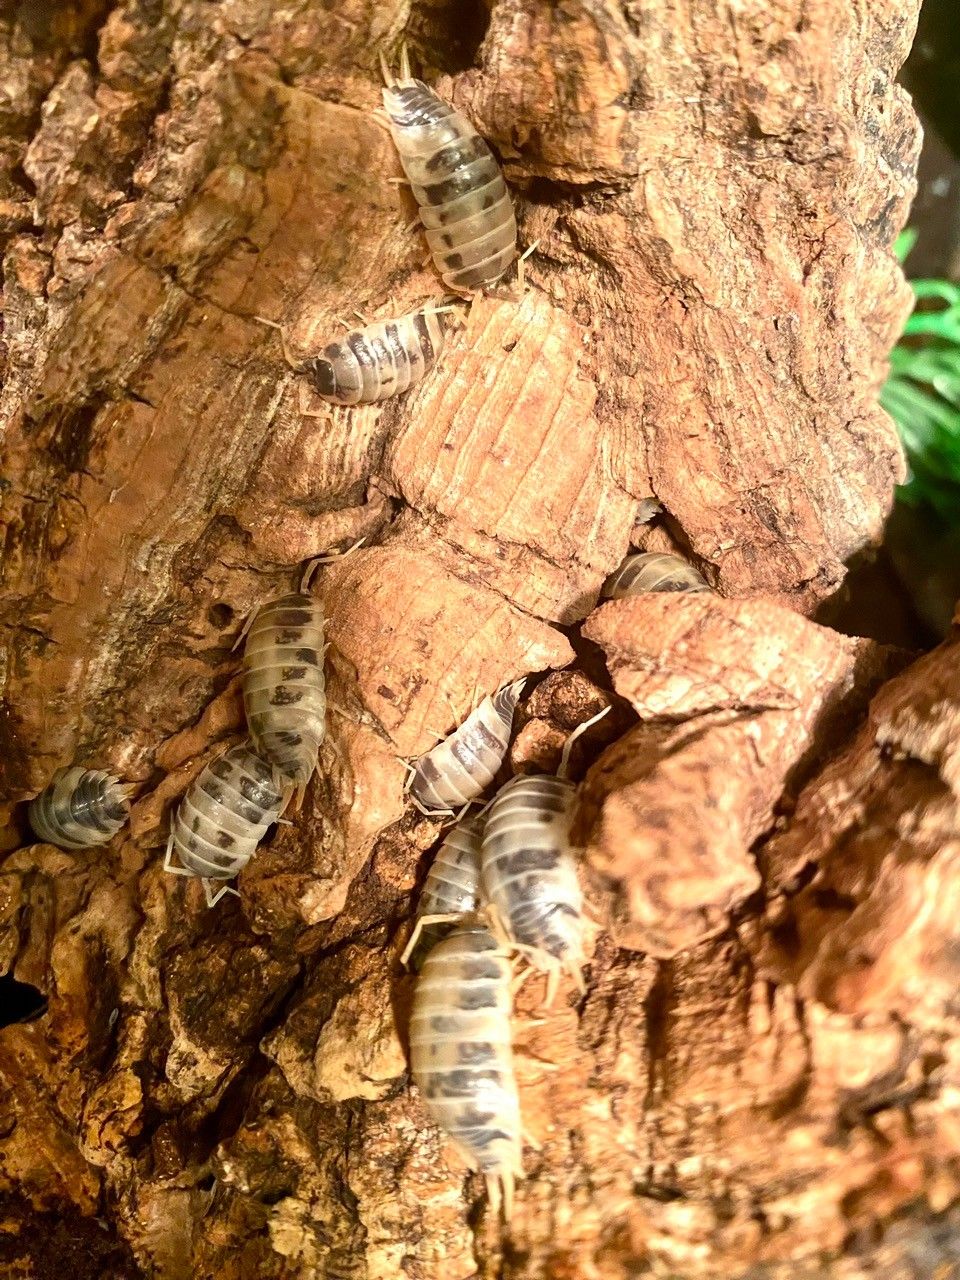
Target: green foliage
922,394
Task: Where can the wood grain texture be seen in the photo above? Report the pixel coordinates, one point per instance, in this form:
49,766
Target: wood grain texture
767,1089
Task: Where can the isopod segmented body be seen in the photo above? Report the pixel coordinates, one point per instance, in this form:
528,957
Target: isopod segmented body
652,571
222,818
461,1058
464,203
464,764
284,693
380,360
80,808
452,886
528,874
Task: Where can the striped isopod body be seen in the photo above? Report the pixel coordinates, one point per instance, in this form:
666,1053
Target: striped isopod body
459,768
464,203
652,571
284,694
461,1058
528,874
80,808
222,818
452,886
380,360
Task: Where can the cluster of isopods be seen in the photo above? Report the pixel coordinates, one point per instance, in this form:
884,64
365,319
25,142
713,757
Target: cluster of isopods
508,878
505,879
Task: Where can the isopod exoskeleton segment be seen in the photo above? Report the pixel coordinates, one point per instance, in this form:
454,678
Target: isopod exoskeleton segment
461,1058
652,571
284,693
223,816
456,181
463,765
80,808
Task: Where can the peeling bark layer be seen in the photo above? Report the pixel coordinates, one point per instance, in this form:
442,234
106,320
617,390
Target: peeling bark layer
759,1080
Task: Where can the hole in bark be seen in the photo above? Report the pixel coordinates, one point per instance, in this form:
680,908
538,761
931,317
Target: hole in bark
450,37
19,1001
220,616
70,447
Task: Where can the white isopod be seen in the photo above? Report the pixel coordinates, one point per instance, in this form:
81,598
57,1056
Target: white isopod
652,571
452,886
463,200
461,1057
80,808
459,768
224,815
528,871
284,692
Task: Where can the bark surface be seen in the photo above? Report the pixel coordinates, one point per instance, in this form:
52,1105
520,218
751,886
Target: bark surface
762,1077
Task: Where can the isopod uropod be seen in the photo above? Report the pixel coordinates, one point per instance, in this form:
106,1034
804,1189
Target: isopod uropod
460,767
380,360
222,818
652,571
528,871
284,693
80,808
461,1058
463,200
452,886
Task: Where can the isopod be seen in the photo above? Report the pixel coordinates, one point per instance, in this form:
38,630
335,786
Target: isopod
80,808
461,1057
452,886
528,871
459,768
223,817
464,204
380,360
284,693
652,571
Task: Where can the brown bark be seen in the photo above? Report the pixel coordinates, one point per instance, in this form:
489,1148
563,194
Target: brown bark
761,1079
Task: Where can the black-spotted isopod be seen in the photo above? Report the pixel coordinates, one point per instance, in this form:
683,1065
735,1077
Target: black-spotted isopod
462,765
384,358
223,816
80,808
456,181
652,571
284,692
528,871
452,886
461,1057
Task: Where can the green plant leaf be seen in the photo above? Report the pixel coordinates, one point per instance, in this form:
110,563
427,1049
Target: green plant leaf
922,393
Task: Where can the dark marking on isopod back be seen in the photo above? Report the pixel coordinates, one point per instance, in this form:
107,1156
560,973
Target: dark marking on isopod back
474,1054
283,696
423,334
323,376
476,998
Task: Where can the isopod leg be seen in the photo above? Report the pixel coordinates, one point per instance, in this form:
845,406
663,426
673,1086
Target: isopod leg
251,617
288,355
168,865
226,888
328,557
521,268
306,412
493,1193
422,923
568,745
531,1141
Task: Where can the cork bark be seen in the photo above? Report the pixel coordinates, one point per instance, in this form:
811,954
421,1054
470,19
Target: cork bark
761,1079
